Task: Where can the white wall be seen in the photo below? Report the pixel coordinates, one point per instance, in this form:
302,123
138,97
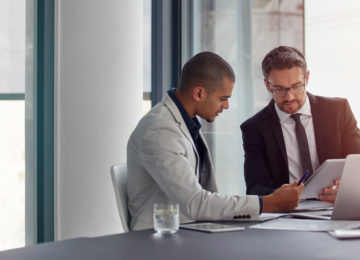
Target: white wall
98,101
332,39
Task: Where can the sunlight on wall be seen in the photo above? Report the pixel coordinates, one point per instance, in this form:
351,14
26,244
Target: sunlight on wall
12,129
12,174
332,40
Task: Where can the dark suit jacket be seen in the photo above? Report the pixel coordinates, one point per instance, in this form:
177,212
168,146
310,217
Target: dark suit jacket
266,165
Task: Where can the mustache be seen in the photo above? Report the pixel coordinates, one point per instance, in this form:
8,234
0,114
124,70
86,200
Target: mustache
289,102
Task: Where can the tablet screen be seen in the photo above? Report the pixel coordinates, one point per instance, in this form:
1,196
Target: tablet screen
323,177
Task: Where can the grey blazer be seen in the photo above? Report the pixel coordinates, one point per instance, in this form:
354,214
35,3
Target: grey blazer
163,166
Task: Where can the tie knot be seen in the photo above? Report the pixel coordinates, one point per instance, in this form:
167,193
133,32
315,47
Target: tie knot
296,116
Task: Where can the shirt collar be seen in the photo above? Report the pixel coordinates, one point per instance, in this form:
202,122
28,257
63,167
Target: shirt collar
304,110
192,124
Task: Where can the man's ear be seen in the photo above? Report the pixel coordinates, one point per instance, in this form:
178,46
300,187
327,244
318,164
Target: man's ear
199,93
307,77
267,86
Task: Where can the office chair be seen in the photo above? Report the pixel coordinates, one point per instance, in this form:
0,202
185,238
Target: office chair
119,179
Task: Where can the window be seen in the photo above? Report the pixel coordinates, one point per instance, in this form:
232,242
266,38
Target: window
331,47
242,32
12,118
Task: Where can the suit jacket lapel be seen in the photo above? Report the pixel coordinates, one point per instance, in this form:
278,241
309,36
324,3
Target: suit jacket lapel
207,174
208,178
318,125
178,118
169,103
274,122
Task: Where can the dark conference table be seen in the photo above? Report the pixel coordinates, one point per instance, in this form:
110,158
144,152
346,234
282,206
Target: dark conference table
186,244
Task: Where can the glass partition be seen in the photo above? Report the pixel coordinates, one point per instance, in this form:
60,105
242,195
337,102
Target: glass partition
242,32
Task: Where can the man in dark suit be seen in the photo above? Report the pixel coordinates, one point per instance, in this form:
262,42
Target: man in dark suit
270,138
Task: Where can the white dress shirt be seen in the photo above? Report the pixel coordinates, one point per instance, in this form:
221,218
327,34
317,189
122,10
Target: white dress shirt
292,150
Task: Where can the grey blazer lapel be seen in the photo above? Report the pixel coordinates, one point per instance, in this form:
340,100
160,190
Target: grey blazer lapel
207,174
169,103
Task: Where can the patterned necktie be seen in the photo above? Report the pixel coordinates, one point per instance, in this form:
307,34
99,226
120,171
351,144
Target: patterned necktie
302,144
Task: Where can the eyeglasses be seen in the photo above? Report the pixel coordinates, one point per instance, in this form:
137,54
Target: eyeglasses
281,92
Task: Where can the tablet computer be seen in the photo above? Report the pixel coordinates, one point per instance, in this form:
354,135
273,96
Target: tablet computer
323,177
211,227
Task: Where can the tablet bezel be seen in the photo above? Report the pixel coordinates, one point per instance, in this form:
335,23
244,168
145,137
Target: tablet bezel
211,227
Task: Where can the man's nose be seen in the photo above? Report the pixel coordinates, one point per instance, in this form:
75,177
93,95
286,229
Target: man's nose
226,105
289,95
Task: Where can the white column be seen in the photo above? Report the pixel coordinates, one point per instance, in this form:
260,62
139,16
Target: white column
98,101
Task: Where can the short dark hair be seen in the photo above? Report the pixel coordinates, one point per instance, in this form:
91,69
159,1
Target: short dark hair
283,57
206,69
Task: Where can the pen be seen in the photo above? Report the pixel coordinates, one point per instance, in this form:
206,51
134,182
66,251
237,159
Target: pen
306,173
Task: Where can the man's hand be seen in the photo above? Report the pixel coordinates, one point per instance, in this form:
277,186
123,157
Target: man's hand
329,194
285,198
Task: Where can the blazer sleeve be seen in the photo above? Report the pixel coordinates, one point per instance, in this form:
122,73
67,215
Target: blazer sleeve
256,167
350,132
165,156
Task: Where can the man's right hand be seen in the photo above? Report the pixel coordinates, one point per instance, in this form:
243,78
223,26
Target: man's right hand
285,198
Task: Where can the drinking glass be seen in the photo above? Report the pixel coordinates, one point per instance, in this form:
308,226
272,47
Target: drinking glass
166,218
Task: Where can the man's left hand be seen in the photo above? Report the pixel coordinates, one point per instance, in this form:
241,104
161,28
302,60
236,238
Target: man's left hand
329,194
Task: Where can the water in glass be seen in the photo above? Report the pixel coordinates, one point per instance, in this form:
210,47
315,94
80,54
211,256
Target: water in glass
166,218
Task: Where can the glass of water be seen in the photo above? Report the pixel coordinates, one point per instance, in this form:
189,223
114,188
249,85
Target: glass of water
166,218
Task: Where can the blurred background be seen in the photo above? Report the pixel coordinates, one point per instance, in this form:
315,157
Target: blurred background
327,31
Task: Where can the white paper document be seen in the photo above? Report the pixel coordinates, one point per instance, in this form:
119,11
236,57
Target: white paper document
263,217
311,205
318,214
307,224
269,216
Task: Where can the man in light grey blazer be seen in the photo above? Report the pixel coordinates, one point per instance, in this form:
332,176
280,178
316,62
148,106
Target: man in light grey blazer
168,158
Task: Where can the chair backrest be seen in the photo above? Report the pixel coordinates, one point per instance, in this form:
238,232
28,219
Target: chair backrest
119,179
